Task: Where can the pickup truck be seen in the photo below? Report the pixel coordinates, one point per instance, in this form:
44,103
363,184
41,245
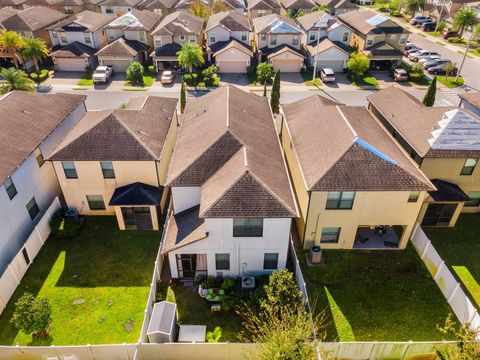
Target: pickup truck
102,74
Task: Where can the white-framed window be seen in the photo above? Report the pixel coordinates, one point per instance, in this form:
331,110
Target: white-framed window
263,37
212,38
63,37
182,37
261,12
296,40
54,34
244,36
330,235
109,9
403,39
270,261
192,39
413,196
142,37
273,39
369,41
157,11
88,38
158,41
345,37
311,35
68,9
111,35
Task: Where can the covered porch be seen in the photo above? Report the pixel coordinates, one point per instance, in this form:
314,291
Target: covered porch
165,57
378,237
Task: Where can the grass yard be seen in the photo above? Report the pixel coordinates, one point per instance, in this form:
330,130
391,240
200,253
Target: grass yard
450,81
376,295
193,310
365,81
97,284
148,80
307,78
460,249
85,80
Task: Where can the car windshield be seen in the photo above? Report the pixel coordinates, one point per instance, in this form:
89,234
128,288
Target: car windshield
100,71
167,73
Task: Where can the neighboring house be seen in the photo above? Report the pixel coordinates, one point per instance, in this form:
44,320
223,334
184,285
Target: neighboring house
278,40
161,7
129,38
349,176
337,7
377,36
235,5
116,162
68,7
327,39
76,40
258,8
470,101
118,7
228,42
174,30
5,13
232,201
444,141
31,125
295,6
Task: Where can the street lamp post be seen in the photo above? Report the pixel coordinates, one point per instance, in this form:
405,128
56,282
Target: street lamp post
466,52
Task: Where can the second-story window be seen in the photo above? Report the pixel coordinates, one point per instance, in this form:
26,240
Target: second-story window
109,9
273,39
296,40
244,36
212,38
340,200
111,35
141,37
69,170
68,10
158,42
63,37
10,188
263,37
413,196
369,41
182,37
469,167
107,169
87,37
192,39
311,35
345,37
247,227
403,39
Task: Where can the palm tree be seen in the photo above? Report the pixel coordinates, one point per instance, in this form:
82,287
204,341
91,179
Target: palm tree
465,18
11,43
190,55
414,5
34,49
15,80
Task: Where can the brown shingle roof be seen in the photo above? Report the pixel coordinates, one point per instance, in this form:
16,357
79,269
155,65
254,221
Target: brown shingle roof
323,45
309,20
157,4
120,2
32,19
228,145
27,120
90,20
183,229
343,148
5,13
135,133
360,21
179,23
297,4
121,47
229,20
471,97
263,4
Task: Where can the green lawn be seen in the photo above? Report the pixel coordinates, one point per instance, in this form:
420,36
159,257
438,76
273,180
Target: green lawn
307,78
193,310
85,80
109,269
148,80
365,81
450,81
459,247
376,295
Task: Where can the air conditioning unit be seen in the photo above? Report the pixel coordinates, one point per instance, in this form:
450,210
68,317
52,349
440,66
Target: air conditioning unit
315,255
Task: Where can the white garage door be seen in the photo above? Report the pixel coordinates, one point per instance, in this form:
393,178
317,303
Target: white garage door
232,66
67,64
335,65
286,65
118,65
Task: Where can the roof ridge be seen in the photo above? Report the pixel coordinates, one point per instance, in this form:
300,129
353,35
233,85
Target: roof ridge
347,122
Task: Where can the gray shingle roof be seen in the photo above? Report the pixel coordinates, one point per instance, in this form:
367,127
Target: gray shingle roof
90,20
32,19
179,23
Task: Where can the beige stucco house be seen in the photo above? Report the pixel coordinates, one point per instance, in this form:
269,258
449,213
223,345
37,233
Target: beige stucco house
116,162
355,186
444,142
258,8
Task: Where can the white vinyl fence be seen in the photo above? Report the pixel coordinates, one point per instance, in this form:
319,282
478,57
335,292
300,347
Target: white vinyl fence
450,287
17,268
298,273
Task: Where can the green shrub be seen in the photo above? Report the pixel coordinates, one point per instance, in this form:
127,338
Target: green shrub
32,315
281,290
227,284
39,77
456,40
415,73
151,69
215,335
135,74
251,70
63,227
201,84
190,79
358,64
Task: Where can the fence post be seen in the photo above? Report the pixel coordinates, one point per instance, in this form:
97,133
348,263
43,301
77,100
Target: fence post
156,269
375,343
39,235
91,351
14,274
425,249
453,292
406,349
438,270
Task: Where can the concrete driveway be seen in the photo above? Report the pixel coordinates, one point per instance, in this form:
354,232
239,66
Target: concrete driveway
235,79
291,79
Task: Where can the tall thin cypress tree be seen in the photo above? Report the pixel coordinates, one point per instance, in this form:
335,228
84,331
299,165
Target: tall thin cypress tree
183,97
275,96
429,98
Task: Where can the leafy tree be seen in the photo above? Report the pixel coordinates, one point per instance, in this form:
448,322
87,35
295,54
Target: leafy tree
281,291
32,315
414,5
358,64
215,335
135,74
465,18
209,74
294,14
429,98
204,9
264,74
321,7
416,72
450,69
15,80
34,49
442,25
467,346
11,43
190,55
183,97
275,95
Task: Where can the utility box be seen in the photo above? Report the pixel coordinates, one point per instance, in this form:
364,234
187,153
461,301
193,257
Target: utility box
316,255
192,333
162,327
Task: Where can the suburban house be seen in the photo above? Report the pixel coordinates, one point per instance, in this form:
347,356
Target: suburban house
161,7
232,200
470,101
337,7
278,41
118,7
174,30
293,7
327,39
116,162
68,7
31,125
258,8
76,39
228,42
433,9
235,5
129,39
444,142
378,37
355,186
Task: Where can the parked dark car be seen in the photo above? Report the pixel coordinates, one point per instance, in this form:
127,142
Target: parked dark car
440,70
429,26
435,62
447,34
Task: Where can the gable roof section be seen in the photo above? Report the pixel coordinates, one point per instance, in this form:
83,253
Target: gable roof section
310,20
369,22
229,20
263,5
223,46
120,2
472,98
74,50
27,120
135,133
297,4
32,19
325,44
275,24
158,4
6,12
382,48
142,20
88,20
179,23
343,148
122,47
234,4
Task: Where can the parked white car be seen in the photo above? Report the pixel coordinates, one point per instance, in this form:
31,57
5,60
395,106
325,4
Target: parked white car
415,56
327,75
102,74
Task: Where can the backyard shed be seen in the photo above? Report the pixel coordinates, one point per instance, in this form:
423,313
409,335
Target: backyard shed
162,327
192,333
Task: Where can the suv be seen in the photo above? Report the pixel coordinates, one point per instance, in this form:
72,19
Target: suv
419,20
327,75
420,54
429,26
400,75
102,74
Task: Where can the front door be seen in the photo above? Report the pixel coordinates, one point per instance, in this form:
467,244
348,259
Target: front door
190,266
439,214
137,218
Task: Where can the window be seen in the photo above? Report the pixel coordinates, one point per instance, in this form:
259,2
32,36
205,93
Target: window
247,227
311,35
475,196
32,208
87,37
403,39
158,42
69,170
54,34
39,157
295,40
469,166
212,38
413,197
68,10
222,261
270,261
95,202
28,34
263,37
330,235
244,36
345,37
109,9
192,39
111,35
10,188
261,12
107,169
340,200
141,37
182,37
63,37
273,39
157,11
369,41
